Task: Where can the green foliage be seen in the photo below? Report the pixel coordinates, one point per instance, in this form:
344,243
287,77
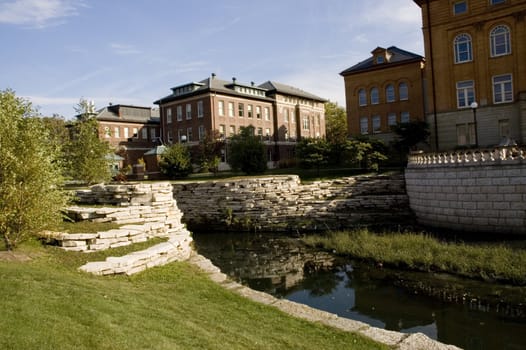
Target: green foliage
30,173
86,154
247,152
312,153
370,152
208,153
424,253
335,123
176,162
410,135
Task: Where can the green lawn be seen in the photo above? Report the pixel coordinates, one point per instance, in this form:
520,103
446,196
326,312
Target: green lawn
48,304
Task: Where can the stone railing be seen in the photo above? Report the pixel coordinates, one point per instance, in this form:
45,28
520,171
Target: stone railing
282,203
482,191
470,157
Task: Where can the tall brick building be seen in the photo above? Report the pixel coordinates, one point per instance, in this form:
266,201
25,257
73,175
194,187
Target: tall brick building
385,89
475,51
279,113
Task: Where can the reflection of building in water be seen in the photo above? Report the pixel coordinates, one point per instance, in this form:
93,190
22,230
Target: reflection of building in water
264,263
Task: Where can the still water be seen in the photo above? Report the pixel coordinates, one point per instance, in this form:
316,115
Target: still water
472,315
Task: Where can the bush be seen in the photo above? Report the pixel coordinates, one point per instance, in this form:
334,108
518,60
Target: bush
247,152
176,161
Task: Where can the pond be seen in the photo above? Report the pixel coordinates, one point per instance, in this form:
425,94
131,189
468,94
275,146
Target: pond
470,314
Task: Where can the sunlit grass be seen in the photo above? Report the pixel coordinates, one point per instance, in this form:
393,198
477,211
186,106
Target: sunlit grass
424,253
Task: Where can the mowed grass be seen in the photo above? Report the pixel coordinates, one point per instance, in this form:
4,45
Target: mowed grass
48,304
496,262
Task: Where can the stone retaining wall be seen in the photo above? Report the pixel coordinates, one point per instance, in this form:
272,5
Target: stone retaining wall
282,203
480,191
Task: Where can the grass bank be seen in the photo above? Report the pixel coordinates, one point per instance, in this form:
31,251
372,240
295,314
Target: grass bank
420,252
48,304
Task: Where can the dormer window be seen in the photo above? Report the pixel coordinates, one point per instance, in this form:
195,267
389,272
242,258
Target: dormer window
380,59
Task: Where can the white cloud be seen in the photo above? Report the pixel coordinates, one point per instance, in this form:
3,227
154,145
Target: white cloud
38,13
124,49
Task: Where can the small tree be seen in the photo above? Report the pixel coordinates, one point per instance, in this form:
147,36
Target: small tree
312,153
86,154
247,152
208,152
336,132
409,135
30,173
176,162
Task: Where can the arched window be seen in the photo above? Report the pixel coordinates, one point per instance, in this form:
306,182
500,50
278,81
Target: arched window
403,93
463,48
390,93
362,97
500,41
375,98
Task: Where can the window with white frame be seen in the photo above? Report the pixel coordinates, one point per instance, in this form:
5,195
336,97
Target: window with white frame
465,93
504,128
249,111
201,132
502,88
240,110
230,109
232,130
375,98
403,92
500,41
293,116
221,108
258,112
306,123
364,125
168,115
266,112
200,111
286,115
107,132
188,111
189,134
496,2
260,132
362,97
126,133
179,113
144,133
404,117
376,124
222,130
462,48
117,132
267,133
390,93
135,133
391,119
153,134
180,134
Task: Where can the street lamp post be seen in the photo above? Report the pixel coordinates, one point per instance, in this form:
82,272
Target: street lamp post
474,105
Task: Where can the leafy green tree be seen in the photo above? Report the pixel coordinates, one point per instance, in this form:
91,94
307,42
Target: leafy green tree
336,132
176,161
208,152
247,152
312,153
30,173
86,153
409,135
370,152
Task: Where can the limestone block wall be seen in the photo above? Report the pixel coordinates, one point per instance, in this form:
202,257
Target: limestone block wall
282,203
474,191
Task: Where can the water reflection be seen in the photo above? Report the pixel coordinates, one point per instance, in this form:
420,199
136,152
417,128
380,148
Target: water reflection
469,314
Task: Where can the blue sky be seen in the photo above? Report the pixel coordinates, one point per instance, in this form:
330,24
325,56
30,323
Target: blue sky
55,52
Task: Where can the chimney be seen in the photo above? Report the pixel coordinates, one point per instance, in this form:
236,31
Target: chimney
234,80
252,83
213,75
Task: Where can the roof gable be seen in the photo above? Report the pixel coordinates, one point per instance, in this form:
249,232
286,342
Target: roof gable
391,55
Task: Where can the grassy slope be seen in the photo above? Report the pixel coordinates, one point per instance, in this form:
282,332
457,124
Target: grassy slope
424,253
47,304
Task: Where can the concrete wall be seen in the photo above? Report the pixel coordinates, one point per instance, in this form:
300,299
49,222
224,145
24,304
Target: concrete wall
282,203
480,191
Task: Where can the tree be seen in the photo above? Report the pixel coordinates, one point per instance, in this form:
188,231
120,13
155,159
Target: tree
336,132
312,153
247,152
176,162
86,154
30,173
409,135
208,152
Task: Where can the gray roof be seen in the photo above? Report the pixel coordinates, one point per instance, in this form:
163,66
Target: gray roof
128,113
214,84
273,86
399,56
